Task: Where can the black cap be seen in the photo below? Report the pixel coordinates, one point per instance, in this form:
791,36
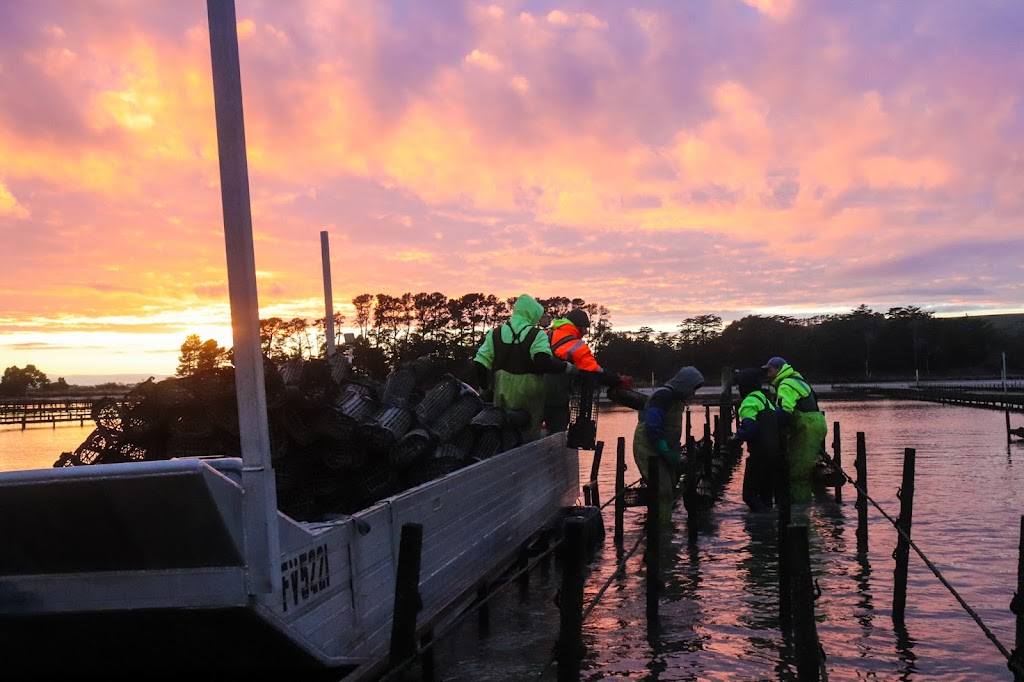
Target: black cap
578,317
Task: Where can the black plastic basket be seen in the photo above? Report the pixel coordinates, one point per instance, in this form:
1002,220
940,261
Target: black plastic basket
582,430
635,497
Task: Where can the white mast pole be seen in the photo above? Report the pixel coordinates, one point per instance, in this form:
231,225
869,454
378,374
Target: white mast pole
259,493
325,253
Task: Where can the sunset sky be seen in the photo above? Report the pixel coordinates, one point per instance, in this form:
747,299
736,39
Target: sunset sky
665,159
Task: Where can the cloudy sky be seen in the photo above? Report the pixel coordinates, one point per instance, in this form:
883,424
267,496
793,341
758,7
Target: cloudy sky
663,158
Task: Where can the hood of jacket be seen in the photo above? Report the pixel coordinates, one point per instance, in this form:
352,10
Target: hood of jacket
786,371
527,310
686,382
747,380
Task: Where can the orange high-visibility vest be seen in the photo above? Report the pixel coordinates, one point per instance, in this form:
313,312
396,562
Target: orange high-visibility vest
567,345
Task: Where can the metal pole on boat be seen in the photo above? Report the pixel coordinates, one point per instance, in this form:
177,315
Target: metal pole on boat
329,330
259,501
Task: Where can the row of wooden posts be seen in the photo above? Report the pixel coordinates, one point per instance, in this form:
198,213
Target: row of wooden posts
797,590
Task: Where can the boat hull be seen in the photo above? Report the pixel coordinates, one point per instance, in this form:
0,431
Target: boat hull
142,565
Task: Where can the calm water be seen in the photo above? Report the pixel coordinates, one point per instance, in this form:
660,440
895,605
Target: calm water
718,617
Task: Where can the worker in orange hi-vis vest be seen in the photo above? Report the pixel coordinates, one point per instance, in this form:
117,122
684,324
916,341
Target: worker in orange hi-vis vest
567,344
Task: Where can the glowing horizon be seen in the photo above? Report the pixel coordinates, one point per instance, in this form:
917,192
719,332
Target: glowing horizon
724,157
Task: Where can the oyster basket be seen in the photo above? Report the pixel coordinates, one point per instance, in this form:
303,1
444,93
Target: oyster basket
437,399
635,497
457,415
582,430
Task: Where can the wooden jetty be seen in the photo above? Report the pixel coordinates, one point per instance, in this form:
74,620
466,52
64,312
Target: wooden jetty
24,412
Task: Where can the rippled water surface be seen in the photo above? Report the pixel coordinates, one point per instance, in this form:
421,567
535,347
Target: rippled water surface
719,611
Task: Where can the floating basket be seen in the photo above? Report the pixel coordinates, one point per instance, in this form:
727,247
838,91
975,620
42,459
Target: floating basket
635,400
582,429
635,497
437,399
184,445
456,416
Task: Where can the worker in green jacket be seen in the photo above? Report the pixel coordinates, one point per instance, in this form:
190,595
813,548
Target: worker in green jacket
513,359
801,423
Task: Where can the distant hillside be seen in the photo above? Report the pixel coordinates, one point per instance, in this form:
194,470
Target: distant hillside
1010,323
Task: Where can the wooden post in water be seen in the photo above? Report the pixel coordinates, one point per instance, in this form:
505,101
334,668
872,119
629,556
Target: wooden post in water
903,524
1006,403
861,465
653,550
595,469
570,605
837,457
718,434
407,594
805,633
783,503
689,429
1016,663
620,487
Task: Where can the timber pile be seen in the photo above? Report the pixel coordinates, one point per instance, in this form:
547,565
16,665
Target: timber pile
338,442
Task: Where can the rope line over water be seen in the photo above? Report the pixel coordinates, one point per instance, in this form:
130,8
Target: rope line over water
977,619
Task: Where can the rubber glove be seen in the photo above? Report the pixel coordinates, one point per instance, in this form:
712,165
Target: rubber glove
572,370
626,382
671,456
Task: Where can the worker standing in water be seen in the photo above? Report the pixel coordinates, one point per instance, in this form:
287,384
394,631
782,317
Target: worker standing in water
659,431
801,424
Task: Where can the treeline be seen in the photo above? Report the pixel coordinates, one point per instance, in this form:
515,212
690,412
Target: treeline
860,345
391,330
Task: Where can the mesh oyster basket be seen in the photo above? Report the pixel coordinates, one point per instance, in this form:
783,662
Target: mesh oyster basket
390,424
488,443
356,407
457,415
410,449
343,456
511,437
582,430
635,497
437,399
489,418
398,387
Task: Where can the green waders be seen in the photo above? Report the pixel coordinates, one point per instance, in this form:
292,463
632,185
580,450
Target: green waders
521,391
806,434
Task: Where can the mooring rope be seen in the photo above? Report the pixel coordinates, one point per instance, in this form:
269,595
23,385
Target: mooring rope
938,574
